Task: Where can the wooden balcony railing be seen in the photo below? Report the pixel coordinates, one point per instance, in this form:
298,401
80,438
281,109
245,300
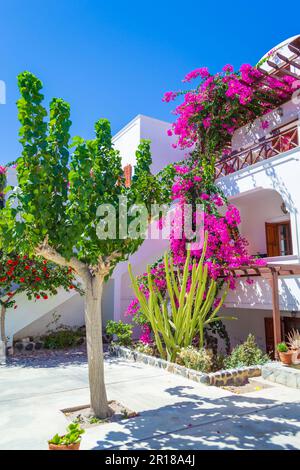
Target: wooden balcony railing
281,141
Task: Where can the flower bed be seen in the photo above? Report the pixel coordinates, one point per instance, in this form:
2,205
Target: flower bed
221,378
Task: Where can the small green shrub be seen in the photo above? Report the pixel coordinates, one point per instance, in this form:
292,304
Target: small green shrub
246,354
218,362
123,331
282,347
145,348
198,359
71,437
63,338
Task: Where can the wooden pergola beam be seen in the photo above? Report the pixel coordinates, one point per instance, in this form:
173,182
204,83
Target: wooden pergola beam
294,49
264,271
271,273
290,61
276,310
281,69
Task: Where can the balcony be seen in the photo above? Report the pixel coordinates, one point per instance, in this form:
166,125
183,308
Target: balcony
279,141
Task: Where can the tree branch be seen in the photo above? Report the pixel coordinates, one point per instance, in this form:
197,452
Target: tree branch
47,252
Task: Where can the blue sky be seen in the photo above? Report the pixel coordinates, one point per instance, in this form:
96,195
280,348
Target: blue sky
115,59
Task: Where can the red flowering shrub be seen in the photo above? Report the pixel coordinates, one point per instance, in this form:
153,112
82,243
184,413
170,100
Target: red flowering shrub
36,277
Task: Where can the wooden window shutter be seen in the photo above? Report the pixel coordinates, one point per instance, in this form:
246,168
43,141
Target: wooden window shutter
279,239
272,239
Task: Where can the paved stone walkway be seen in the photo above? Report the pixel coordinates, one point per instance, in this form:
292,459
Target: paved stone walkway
175,413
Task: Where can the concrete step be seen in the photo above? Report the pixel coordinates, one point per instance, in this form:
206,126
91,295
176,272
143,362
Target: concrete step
285,375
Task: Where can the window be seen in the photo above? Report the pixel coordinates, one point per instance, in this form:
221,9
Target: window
279,239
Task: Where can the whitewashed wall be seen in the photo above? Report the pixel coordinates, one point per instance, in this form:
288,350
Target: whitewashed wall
259,295
247,321
144,127
281,174
256,208
32,317
249,135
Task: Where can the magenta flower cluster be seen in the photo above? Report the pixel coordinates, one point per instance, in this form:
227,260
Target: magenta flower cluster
223,102
226,249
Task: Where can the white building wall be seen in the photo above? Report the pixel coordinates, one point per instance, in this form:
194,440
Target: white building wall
127,141
247,321
31,317
279,173
259,295
256,208
149,252
70,312
250,134
144,127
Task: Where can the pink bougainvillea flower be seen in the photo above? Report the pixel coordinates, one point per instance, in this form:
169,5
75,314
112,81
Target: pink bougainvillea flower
207,122
228,68
201,72
265,124
169,96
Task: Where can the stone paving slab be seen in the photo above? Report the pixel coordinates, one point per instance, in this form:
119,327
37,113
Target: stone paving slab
269,429
174,411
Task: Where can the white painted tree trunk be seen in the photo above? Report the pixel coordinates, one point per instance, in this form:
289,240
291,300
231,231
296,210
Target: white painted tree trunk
93,286
93,322
2,324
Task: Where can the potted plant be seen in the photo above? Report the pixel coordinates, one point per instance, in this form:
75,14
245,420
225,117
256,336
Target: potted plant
285,354
294,344
69,441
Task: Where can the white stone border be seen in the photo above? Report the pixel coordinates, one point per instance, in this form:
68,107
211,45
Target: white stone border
219,379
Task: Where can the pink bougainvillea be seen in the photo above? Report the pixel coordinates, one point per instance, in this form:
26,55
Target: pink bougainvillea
223,102
226,248
206,118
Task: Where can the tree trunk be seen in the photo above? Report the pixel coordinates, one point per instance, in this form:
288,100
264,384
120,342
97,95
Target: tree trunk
2,324
93,322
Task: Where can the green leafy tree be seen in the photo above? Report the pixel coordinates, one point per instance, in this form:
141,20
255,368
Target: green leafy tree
53,211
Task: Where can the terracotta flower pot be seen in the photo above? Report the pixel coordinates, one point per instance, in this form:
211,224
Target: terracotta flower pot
296,356
75,446
286,357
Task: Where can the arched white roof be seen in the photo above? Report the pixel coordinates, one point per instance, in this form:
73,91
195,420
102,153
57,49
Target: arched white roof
284,49
281,45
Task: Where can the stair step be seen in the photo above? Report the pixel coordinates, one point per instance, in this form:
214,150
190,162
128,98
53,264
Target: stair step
284,375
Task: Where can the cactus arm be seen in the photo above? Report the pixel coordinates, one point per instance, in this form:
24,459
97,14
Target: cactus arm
216,310
204,248
169,286
174,281
221,318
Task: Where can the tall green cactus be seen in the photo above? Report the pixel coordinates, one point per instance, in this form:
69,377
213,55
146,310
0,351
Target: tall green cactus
182,314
